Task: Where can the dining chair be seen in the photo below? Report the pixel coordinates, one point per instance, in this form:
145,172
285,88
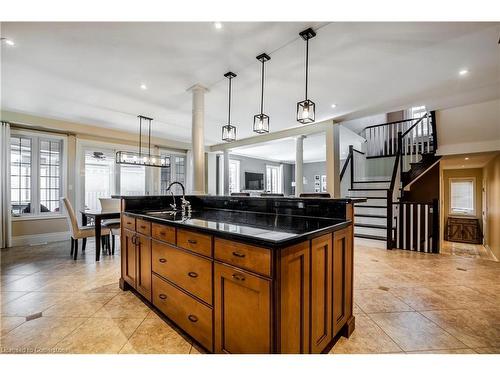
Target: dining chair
111,205
77,231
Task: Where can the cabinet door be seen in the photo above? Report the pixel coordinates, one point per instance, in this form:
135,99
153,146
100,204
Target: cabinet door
143,276
294,299
454,231
469,232
128,256
242,311
321,292
342,277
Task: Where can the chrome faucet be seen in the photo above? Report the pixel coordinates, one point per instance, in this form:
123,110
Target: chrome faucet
185,205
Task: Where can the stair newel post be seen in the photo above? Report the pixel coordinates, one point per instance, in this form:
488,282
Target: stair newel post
390,242
435,226
400,152
434,133
351,156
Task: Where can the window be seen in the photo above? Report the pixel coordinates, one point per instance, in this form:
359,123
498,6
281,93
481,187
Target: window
421,129
273,179
132,179
176,172
234,176
462,196
20,175
36,173
99,177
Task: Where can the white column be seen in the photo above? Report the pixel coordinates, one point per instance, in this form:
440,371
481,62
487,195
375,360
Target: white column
299,162
198,138
226,172
332,139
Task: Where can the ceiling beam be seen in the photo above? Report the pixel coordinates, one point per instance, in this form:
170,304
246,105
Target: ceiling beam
287,133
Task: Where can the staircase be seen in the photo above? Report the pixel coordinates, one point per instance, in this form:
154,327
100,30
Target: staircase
412,144
371,216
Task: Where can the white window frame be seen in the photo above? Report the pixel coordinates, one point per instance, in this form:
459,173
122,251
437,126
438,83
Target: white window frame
279,171
36,137
237,188
462,179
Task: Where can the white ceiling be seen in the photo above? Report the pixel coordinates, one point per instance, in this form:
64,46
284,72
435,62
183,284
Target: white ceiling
91,72
477,160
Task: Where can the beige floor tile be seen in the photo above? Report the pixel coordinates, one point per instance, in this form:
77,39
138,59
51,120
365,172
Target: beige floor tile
445,351
124,305
79,305
6,297
155,336
99,335
8,323
412,331
32,303
475,328
422,298
39,335
488,350
366,338
377,300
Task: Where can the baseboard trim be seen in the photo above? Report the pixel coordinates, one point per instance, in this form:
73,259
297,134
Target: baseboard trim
37,239
487,247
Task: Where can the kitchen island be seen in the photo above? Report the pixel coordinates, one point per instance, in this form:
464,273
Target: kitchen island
244,274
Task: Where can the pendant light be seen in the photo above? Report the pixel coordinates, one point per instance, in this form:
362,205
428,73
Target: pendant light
229,131
306,108
140,158
261,121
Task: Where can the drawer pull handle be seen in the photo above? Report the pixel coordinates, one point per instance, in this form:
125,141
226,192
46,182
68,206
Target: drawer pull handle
162,296
162,260
143,227
238,254
193,242
192,274
163,233
238,277
193,318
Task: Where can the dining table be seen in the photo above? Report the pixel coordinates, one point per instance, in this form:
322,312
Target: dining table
98,216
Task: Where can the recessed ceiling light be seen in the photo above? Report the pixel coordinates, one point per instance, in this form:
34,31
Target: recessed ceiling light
466,158
218,25
143,86
463,72
334,105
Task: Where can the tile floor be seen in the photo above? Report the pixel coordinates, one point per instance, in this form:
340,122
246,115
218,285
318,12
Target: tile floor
405,302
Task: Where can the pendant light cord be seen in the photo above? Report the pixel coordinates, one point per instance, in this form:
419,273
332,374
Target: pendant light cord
149,141
307,63
229,112
262,90
140,135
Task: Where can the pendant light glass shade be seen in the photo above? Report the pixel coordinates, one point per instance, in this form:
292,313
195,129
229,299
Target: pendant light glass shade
229,131
142,158
306,109
261,121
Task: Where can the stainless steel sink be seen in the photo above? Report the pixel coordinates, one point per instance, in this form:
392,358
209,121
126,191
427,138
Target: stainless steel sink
165,212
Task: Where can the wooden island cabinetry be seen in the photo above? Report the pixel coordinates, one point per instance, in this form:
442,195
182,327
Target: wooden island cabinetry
236,297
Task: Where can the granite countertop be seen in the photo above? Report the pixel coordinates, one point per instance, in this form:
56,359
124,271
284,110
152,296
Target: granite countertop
264,229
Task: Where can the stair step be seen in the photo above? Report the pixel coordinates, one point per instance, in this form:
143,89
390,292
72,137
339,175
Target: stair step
370,237
371,215
375,226
368,189
370,182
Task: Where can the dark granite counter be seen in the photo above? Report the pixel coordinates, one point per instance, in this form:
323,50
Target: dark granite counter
270,221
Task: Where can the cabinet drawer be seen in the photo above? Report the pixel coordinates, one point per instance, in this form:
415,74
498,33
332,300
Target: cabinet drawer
143,227
199,243
163,233
192,316
128,222
252,258
191,272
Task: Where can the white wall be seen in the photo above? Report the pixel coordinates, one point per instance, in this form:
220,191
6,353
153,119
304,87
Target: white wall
469,128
